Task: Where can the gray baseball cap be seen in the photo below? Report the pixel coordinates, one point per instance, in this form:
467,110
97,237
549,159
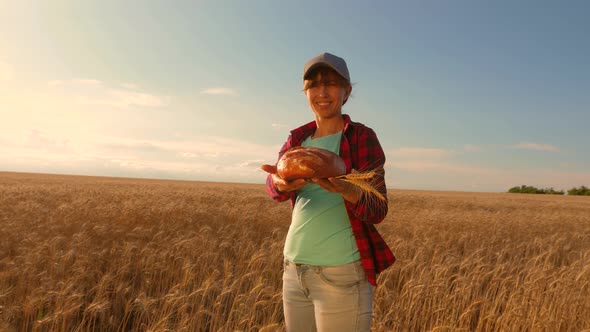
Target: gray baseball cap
328,60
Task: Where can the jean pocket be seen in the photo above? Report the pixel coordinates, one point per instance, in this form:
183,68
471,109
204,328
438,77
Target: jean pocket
343,276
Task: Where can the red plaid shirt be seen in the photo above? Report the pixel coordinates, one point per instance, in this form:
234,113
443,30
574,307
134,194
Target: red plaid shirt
360,150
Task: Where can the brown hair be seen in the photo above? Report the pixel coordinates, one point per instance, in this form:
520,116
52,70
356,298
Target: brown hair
316,75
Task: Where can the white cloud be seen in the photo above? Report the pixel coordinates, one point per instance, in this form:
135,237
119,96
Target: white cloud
5,142
129,86
73,82
187,155
37,139
278,126
200,158
87,82
219,92
216,158
472,148
420,153
127,98
536,147
206,146
422,166
6,71
94,92
251,163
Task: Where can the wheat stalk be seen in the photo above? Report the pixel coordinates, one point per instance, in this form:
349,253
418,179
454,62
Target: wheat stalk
104,254
363,180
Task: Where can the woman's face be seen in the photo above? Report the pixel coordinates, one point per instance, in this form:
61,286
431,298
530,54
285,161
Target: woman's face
326,94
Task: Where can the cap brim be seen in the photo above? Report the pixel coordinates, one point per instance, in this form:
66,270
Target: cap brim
321,64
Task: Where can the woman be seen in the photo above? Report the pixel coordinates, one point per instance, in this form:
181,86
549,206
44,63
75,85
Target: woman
332,251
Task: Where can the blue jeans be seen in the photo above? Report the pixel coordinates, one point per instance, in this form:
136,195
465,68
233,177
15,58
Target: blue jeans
326,298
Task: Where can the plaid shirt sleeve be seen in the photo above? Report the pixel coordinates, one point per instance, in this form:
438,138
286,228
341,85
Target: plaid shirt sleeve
271,189
368,156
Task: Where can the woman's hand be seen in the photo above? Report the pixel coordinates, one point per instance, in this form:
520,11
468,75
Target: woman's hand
287,186
280,183
348,191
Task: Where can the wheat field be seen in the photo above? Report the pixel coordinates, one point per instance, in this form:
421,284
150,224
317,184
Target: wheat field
112,254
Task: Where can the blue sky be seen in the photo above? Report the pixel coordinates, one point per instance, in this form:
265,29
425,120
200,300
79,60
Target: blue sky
464,95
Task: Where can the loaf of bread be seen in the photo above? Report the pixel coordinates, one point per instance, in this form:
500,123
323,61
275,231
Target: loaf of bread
307,162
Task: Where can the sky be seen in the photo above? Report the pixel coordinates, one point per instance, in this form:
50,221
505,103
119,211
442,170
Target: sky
463,95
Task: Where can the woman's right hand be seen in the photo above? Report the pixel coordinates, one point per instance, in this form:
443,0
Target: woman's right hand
287,186
280,183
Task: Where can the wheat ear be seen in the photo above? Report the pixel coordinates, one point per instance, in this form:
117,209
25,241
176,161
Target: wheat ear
358,179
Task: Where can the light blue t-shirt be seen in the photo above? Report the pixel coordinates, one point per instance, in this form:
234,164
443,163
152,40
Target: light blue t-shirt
320,231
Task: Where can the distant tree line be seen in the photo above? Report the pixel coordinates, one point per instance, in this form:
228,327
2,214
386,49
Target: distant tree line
582,191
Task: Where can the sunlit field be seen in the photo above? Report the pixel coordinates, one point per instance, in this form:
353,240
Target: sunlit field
106,254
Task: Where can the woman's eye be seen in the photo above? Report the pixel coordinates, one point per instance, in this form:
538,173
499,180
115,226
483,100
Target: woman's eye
323,83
